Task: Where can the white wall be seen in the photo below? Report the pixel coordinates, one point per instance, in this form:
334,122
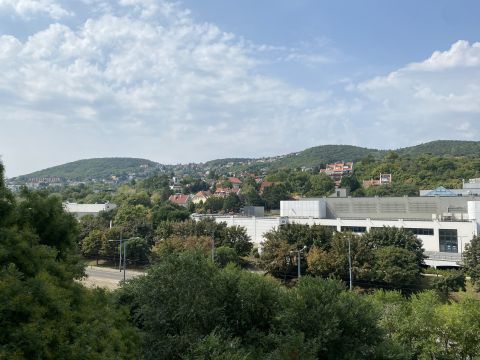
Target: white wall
316,208
256,226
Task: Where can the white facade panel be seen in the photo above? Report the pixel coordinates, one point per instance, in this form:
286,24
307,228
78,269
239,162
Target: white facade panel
256,227
316,209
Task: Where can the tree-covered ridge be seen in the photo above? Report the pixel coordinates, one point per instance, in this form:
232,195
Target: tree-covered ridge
443,148
98,168
313,158
318,156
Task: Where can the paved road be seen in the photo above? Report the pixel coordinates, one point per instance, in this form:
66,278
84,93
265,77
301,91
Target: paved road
106,277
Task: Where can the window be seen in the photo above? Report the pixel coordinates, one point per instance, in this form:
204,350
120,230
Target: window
448,240
355,229
420,231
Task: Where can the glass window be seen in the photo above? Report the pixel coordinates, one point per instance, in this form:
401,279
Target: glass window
355,229
420,231
448,239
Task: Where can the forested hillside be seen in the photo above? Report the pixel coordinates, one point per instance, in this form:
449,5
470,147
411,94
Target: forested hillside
99,168
444,148
312,158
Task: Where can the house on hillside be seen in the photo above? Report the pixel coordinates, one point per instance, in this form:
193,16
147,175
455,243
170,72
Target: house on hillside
201,197
384,179
180,199
337,170
264,185
224,192
236,182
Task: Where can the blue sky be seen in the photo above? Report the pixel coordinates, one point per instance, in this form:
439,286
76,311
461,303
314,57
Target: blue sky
197,80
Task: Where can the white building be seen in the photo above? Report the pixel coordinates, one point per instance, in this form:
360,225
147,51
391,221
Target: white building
445,225
80,210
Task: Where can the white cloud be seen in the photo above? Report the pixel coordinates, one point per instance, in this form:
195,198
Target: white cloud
28,8
168,82
142,78
431,98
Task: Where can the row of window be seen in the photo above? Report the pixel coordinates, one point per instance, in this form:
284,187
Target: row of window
448,238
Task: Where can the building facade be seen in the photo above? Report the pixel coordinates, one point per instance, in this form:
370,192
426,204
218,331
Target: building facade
444,224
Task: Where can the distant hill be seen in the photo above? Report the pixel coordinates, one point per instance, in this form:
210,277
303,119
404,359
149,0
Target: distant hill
443,148
103,168
320,155
99,168
323,154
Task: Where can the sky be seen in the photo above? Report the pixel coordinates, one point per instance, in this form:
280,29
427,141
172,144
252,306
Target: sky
191,81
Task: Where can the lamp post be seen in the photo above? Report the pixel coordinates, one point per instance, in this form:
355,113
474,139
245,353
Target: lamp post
350,263
299,252
213,245
123,242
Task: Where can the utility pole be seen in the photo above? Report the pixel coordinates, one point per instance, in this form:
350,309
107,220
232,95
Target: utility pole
124,259
120,250
298,265
350,262
213,245
123,243
299,254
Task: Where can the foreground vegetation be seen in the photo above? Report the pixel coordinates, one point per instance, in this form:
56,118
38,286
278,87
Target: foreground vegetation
190,307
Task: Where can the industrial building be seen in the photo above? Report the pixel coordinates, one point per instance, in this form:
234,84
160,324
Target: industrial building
80,210
444,224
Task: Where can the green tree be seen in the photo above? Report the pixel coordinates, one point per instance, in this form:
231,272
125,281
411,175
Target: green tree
213,204
44,313
398,237
175,305
350,182
471,259
225,255
279,253
274,194
337,324
93,243
138,251
334,262
231,203
396,266
321,185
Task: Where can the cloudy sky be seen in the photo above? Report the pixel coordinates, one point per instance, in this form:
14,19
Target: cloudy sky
198,80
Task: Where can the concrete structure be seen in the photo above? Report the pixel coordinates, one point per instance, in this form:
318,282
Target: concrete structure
80,210
305,208
384,179
258,211
444,224
469,188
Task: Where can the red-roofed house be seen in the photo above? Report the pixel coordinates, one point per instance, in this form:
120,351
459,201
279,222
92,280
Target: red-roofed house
223,192
180,199
236,182
201,196
265,185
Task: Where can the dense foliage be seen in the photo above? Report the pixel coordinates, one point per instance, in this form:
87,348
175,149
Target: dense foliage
188,308
101,168
44,312
385,257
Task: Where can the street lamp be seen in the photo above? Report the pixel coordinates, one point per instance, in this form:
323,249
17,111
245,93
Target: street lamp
123,242
350,263
298,259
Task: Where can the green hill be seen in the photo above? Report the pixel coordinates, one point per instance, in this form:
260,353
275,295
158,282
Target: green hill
103,168
99,168
320,155
443,148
